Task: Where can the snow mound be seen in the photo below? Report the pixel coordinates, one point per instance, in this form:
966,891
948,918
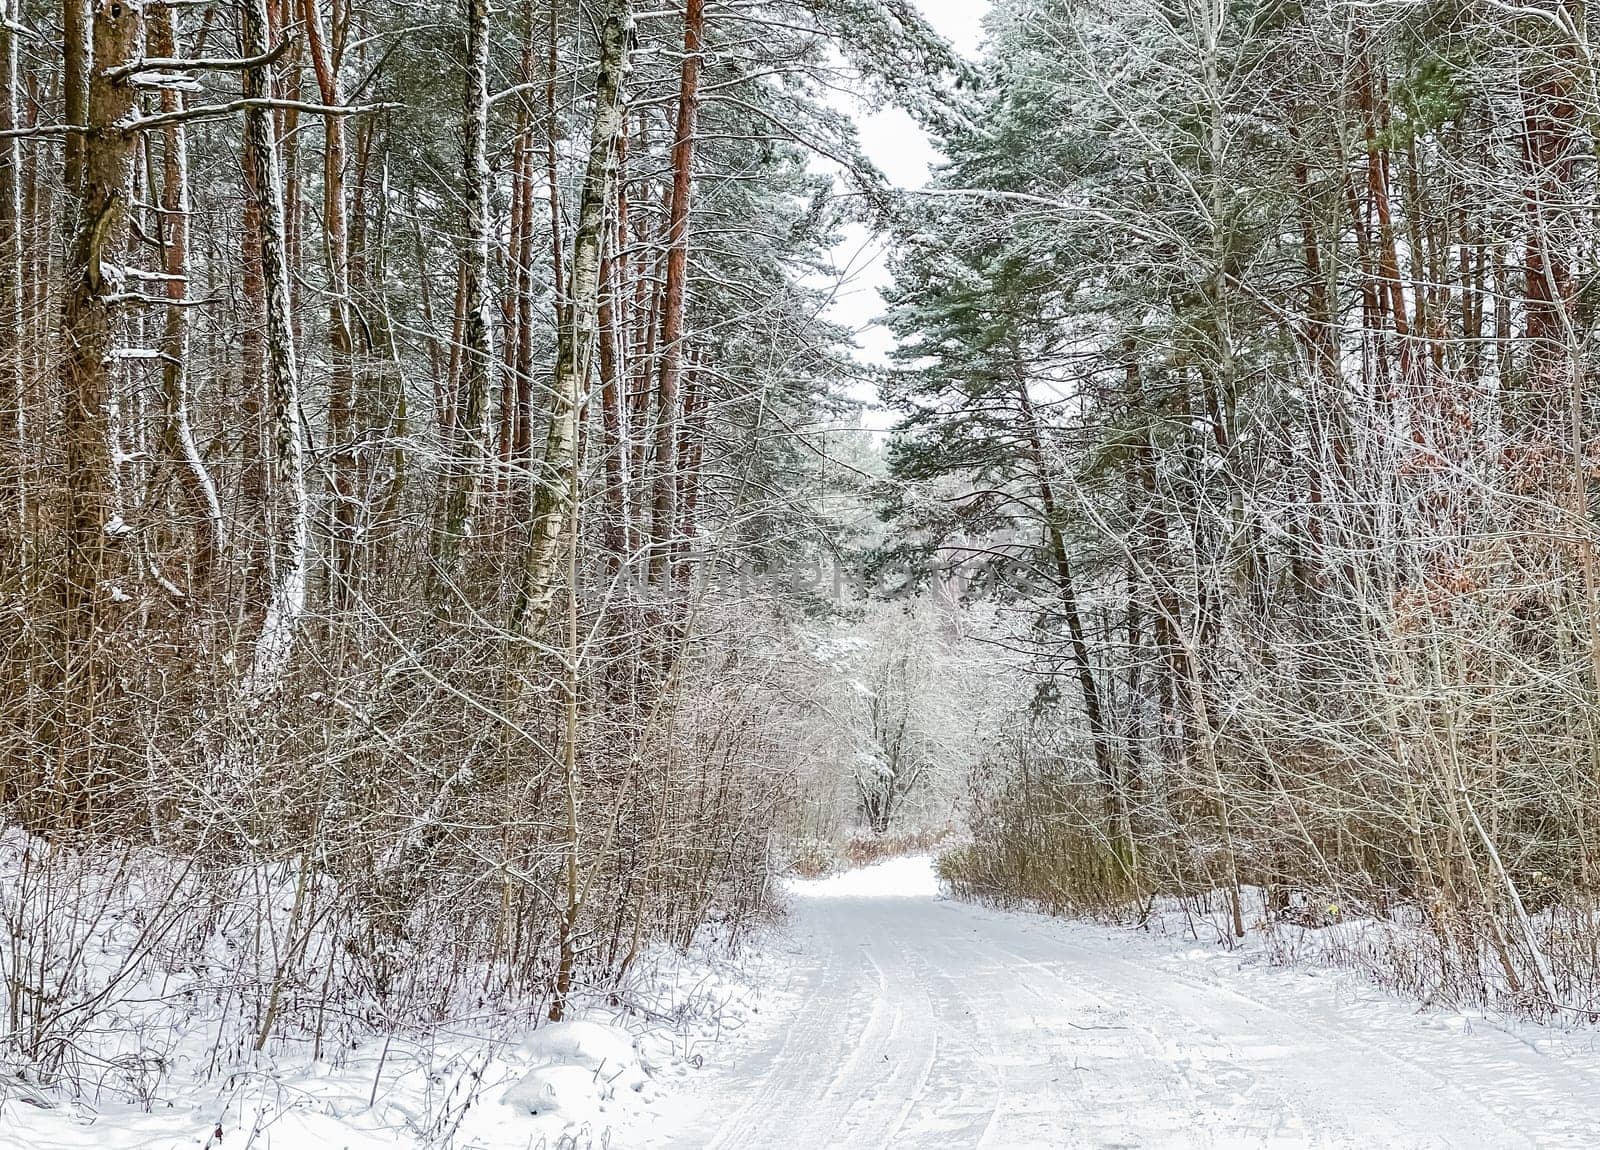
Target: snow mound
592,1045
578,1070
911,877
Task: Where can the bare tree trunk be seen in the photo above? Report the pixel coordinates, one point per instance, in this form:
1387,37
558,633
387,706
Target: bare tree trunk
288,82
578,334
511,409
373,400
522,359
664,518
193,478
647,313
95,566
571,681
1083,665
447,397
13,373
77,19
619,409
691,450
342,400
612,421
467,439
552,175
19,537
253,515
285,463
38,234
518,418
436,352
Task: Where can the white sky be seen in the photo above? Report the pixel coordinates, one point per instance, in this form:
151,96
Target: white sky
893,141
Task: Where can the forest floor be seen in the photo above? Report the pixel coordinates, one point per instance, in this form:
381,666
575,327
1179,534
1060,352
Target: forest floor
910,1021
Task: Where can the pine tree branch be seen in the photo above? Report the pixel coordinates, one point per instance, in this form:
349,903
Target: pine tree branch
218,111
178,64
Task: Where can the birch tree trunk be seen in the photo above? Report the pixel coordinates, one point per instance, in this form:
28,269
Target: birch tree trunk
580,329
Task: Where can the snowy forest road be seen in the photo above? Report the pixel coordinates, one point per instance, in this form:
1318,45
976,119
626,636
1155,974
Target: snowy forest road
918,1023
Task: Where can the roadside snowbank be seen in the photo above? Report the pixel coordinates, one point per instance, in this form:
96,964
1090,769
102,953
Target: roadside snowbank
143,984
482,1083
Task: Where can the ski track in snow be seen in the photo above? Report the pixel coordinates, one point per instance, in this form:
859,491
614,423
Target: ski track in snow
916,1023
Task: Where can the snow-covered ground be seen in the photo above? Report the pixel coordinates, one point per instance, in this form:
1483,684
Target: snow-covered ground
890,1018
483,1083
907,1021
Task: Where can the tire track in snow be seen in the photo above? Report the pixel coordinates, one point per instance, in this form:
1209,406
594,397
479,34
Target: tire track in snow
783,1082
850,1065
893,1063
1555,1083
931,1025
1150,983
969,1058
